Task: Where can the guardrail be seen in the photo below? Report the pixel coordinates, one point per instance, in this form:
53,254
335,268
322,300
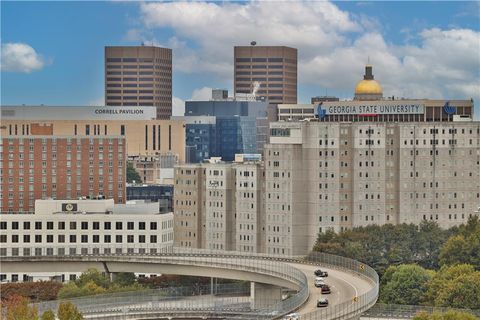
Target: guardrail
266,264
400,311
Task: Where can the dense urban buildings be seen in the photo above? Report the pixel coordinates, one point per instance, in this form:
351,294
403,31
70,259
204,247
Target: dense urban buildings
159,193
351,163
66,167
219,205
144,135
268,71
223,127
155,169
86,226
139,76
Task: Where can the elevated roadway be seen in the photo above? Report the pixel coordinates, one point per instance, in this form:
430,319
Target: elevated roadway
353,288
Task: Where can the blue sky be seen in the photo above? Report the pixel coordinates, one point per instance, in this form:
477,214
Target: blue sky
418,49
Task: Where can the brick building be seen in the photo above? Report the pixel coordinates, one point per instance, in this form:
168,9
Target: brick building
64,167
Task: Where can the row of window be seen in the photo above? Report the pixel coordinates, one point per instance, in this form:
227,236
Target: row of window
84,238
84,225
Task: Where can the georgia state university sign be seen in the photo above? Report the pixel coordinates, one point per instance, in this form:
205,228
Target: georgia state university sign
369,108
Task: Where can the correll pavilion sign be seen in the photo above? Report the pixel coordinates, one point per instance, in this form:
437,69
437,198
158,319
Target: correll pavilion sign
370,108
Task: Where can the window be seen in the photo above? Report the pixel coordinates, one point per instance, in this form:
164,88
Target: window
130,225
61,238
130,238
96,225
26,225
153,239
84,238
141,238
118,238
38,225
15,225
118,226
14,238
107,238
153,226
107,225
3,225
141,225
96,238
26,238
73,225
84,225
38,238
61,225
50,238
50,225
73,238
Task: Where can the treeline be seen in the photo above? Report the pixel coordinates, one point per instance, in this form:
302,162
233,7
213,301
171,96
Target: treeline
16,307
418,265
427,245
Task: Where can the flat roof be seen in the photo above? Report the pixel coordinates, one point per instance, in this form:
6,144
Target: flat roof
95,113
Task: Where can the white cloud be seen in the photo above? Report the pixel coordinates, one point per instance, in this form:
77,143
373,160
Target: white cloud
178,107
20,57
333,46
202,94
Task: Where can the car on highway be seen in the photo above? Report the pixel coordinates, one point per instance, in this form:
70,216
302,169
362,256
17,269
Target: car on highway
292,316
326,289
319,282
321,273
322,302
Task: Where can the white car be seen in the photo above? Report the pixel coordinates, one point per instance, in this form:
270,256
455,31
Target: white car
291,316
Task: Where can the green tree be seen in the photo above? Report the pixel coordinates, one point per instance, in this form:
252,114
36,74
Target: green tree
449,315
463,292
455,251
443,277
68,311
405,284
93,275
124,279
17,307
48,315
132,174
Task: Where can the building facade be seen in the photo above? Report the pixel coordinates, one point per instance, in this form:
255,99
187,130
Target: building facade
70,227
219,205
337,176
159,193
268,71
139,76
144,136
156,169
67,167
223,128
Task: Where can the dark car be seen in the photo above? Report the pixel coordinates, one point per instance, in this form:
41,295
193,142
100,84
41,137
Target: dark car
320,273
322,302
326,289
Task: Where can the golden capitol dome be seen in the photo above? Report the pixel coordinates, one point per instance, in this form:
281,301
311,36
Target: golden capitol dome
368,88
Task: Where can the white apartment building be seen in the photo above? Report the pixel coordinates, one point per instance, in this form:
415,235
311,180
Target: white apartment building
219,205
90,226
321,176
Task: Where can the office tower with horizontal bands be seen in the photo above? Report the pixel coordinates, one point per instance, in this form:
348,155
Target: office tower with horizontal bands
139,76
273,67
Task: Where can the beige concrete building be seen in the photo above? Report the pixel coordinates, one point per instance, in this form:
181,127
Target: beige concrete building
274,68
139,76
322,176
143,135
189,206
219,205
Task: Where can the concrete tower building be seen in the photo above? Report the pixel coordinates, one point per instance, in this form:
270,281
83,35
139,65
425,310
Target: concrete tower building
274,68
139,76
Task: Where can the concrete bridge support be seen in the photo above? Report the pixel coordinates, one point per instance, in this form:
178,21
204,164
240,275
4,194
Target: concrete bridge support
264,295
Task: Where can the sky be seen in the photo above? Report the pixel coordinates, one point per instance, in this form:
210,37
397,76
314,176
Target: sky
52,53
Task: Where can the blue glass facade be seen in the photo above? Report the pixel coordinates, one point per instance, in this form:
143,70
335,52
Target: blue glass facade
224,128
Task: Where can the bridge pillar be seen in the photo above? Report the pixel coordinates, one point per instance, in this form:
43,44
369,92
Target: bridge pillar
264,295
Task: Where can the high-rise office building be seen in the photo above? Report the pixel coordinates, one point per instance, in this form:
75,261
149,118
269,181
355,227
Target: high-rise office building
267,71
139,76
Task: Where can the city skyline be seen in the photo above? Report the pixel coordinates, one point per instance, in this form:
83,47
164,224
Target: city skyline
437,37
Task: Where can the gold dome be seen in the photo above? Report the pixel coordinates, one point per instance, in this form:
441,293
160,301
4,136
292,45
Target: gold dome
368,87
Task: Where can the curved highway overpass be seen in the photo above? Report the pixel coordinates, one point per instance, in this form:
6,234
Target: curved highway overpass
354,286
